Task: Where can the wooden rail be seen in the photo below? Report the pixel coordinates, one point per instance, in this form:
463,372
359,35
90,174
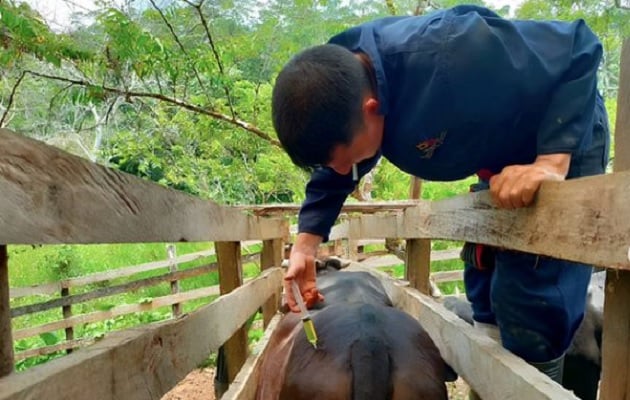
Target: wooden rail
145,362
68,301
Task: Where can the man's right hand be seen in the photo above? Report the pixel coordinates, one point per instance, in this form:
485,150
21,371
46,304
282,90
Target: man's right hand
302,270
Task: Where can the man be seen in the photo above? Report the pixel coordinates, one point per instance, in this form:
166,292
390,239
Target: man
444,96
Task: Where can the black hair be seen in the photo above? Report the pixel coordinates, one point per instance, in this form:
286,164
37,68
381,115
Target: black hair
317,103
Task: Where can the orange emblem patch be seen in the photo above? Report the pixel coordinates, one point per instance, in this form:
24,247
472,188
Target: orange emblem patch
427,147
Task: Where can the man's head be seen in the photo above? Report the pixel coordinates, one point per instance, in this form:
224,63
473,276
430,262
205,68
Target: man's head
319,103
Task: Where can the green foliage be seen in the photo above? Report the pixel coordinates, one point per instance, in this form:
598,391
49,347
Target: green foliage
161,88
24,32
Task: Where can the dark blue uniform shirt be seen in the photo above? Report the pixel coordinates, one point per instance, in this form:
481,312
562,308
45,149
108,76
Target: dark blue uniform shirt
464,89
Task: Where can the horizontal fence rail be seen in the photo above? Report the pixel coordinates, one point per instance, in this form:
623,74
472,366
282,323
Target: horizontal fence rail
374,258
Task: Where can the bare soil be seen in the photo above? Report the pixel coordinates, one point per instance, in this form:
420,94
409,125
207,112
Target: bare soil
198,385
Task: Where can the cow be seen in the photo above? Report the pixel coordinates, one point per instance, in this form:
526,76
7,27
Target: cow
367,349
583,360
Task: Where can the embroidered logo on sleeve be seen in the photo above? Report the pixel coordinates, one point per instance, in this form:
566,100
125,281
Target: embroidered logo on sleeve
427,147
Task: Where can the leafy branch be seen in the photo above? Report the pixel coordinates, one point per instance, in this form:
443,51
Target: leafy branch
128,94
11,97
204,23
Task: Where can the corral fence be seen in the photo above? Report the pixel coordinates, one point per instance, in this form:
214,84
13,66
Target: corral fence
51,197
66,294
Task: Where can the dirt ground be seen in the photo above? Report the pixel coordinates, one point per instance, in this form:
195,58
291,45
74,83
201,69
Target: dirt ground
198,385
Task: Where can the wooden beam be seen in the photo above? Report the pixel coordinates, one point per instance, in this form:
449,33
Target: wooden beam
418,264
6,338
492,371
49,196
143,363
271,256
622,125
615,383
116,273
594,212
230,278
112,290
245,384
355,207
145,306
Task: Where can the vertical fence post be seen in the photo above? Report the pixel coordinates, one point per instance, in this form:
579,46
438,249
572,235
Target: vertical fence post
67,313
231,277
271,256
418,264
352,244
176,308
615,383
6,337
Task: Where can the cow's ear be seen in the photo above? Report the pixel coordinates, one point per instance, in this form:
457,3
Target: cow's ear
332,262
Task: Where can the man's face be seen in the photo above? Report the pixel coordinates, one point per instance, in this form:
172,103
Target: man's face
363,146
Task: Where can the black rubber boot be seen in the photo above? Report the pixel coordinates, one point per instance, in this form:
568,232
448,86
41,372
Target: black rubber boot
552,369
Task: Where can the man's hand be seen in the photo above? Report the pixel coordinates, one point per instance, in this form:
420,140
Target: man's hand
517,185
302,269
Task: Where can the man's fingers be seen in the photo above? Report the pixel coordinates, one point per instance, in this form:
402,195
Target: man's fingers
288,294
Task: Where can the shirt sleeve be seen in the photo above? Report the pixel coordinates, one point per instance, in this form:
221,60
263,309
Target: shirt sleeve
502,67
326,192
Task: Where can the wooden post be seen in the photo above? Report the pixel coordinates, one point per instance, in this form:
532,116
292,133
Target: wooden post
231,277
6,338
67,313
418,264
271,256
415,188
176,308
615,383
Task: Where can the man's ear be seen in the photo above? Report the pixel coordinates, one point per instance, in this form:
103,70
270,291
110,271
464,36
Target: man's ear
370,106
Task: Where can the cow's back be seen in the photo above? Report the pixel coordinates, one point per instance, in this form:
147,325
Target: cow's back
365,351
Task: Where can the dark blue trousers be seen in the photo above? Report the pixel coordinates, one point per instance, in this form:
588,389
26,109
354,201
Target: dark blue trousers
538,302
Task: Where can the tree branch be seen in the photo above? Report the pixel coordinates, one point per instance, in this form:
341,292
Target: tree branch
181,47
214,52
11,97
129,94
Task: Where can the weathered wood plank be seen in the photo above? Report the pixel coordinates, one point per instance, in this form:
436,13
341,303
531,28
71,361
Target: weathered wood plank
112,290
582,220
356,207
271,256
622,125
245,384
65,345
615,384
49,196
6,339
55,287
230,278
494,372
418,264
143,363
96,316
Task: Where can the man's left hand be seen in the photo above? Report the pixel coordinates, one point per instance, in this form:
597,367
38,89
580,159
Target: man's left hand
516,185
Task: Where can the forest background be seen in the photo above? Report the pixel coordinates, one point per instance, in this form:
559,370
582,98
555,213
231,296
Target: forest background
178,92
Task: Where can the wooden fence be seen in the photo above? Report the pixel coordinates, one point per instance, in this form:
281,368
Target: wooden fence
51,197
67,301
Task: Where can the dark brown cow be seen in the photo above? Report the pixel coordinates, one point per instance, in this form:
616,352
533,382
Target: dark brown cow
367,349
